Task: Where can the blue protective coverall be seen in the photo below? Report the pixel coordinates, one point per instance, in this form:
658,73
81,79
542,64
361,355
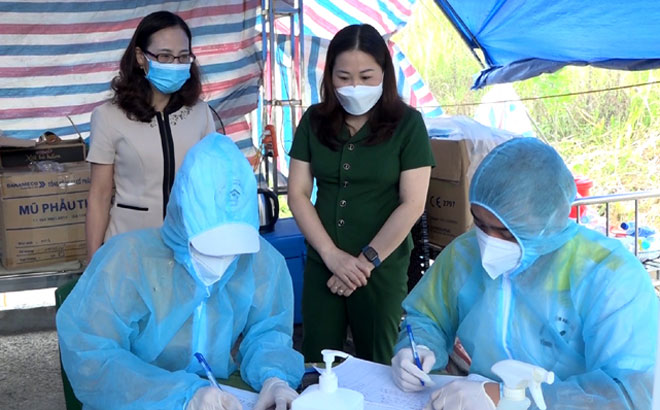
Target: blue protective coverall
129,328
578,303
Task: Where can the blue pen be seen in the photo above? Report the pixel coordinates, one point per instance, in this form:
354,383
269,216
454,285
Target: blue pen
207,369
414,349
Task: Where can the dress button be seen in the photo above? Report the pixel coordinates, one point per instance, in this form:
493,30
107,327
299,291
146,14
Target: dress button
347,166
340,223
342,203
345,184
351,147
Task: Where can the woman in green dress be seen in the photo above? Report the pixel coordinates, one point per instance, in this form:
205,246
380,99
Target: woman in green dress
370,155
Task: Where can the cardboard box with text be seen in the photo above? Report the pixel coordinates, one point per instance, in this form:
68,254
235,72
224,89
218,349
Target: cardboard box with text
459,144
15,152
42,215
447,204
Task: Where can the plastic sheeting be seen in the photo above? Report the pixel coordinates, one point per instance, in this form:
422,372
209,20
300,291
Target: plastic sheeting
524,38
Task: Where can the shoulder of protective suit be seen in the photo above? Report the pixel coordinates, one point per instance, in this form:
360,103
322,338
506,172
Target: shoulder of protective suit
267,258
460,257
133,246
599,246
464,245
268,250
596,254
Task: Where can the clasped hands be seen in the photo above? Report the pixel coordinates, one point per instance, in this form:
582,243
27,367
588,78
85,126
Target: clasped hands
348,272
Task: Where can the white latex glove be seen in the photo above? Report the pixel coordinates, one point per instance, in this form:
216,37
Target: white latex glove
461,394
275,392
210,398
407,376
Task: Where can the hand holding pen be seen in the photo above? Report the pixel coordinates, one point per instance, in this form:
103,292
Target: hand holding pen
209,373
413,346
212,397
411,364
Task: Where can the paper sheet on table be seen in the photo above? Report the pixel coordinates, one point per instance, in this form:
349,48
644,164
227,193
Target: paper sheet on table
375,382
247,398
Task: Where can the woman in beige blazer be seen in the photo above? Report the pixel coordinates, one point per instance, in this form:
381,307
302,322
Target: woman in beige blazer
140,137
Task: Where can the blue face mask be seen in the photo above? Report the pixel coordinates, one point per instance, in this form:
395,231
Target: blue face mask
168,78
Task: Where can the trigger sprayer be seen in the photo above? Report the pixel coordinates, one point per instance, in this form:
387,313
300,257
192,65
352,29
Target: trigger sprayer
518,376
327,395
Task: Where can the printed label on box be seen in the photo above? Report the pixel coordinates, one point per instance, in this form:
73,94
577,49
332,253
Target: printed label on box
22,183
43,246
44,211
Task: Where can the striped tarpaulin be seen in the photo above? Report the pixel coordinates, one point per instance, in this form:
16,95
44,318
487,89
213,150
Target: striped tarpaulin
57,59
322,19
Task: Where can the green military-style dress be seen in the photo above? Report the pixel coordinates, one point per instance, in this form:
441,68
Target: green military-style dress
358,189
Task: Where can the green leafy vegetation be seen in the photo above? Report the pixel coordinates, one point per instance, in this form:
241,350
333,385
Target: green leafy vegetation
285,212
611,137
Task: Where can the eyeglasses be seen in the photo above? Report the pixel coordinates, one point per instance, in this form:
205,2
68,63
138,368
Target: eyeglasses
167,58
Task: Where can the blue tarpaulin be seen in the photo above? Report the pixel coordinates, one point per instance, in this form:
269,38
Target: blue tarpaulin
520,39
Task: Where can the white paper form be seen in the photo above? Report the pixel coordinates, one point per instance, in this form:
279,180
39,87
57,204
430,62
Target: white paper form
375,382
247,398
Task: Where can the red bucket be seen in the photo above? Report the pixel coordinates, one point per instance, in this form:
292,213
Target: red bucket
583,185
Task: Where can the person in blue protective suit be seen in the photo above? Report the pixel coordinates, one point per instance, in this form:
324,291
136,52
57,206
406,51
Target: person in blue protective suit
205,282
529,284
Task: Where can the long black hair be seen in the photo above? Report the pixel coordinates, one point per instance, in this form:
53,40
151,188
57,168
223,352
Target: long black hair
132,90
329,116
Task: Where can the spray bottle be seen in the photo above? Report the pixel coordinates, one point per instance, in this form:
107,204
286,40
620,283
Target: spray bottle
517,376
327,395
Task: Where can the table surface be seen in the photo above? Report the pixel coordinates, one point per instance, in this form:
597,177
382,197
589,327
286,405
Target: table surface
51,276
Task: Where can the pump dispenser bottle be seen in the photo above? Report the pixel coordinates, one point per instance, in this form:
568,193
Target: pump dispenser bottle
517,376
327,395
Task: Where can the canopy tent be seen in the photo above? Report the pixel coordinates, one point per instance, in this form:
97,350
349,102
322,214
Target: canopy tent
520,39
57,58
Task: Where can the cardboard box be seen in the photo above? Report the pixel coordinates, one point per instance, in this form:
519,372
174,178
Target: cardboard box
44,246
448,204
459,145
19,153
42,215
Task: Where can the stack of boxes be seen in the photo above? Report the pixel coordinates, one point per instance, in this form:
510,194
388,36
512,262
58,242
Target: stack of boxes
448,205
458,144
42,213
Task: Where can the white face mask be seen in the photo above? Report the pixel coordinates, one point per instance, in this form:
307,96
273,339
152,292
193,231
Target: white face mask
210,269
497,255
359,99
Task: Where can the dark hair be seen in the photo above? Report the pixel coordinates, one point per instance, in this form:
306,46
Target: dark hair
329,115
132,90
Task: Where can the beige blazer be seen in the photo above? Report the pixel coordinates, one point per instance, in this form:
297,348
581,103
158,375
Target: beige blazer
146,157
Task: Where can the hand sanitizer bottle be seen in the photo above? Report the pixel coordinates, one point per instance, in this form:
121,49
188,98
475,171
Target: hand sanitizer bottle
517,376
327,395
